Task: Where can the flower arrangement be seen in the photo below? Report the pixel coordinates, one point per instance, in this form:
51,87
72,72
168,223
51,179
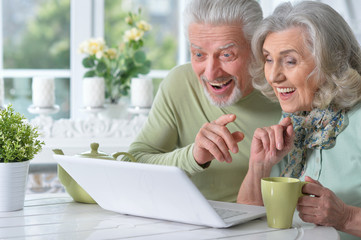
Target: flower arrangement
18,139
119,64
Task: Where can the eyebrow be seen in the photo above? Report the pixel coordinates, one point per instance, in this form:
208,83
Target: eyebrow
284,52
195,46
221,47
226,46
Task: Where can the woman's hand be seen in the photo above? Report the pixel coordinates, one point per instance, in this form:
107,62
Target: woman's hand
271,144
326,209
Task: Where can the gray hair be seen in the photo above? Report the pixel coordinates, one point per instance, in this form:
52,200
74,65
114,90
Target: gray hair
332,43
246,13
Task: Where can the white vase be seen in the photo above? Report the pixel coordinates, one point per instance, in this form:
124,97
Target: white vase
116,110
93,92
13,180
141,92
43,92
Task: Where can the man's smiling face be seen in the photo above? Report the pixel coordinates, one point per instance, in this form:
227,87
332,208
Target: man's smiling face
220,57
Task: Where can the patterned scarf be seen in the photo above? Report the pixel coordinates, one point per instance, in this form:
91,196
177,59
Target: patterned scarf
316,129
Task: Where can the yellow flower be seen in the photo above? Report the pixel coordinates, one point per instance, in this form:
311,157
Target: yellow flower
111,53
83,47
143,25
133,34
93,47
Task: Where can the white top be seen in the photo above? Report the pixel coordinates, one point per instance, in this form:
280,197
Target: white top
56,216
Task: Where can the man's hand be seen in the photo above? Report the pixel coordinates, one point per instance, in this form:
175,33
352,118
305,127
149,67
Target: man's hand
214,141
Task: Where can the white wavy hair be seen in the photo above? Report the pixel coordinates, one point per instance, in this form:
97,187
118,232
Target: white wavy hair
332,43
247,13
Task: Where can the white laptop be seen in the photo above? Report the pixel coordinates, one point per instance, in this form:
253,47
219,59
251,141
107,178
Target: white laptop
153,191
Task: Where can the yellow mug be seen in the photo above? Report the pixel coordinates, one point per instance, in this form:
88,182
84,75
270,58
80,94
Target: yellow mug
280,196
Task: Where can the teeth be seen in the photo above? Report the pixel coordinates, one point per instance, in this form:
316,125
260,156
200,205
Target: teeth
218,84
285,90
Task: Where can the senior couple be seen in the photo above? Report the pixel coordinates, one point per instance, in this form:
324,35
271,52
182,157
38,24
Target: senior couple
219,118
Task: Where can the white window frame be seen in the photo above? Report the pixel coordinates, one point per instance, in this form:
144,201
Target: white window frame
81,28
1,39
86,20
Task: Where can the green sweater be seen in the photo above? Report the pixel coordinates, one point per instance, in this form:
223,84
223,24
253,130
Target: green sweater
179,111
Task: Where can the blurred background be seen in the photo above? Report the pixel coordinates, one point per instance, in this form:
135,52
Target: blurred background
41,37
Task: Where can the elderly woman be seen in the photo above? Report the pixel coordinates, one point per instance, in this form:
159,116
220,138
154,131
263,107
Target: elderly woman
308,59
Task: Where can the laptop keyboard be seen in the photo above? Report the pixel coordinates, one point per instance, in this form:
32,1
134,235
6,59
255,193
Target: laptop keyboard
227,213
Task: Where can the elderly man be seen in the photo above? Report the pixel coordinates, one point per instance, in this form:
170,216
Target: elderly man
207,111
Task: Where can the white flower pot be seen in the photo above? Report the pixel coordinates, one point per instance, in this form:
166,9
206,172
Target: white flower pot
93,92
13,180
141,90
115,110
43,92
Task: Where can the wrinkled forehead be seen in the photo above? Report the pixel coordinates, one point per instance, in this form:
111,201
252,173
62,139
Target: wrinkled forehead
224,35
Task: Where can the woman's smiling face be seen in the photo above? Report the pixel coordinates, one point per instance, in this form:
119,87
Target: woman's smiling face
288,66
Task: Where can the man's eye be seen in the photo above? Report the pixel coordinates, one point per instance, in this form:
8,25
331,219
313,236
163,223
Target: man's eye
198,56
227,56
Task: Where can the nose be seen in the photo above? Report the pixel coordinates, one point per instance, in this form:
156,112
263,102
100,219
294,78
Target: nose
213,69
275,73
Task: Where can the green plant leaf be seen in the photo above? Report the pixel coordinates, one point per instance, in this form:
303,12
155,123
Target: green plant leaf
101,67
88,62
18,139
125,90
148,63
144,69
139,57
90,73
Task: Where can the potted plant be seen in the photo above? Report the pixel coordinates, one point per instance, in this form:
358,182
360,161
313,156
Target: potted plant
118,65
19,143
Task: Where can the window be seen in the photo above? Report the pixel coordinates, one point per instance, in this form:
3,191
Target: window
35,41
161,42
164,41
41,37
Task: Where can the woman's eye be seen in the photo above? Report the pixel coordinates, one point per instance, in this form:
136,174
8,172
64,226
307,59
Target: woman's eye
227,55
268,60
290,61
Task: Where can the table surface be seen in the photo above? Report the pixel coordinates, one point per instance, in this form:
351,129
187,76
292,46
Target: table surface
57,216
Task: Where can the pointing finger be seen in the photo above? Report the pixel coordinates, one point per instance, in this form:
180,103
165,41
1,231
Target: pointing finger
225,119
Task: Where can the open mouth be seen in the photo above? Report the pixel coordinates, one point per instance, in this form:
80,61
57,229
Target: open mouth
286,91
220,85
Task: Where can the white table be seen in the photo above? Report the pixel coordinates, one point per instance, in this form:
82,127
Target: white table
56,216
